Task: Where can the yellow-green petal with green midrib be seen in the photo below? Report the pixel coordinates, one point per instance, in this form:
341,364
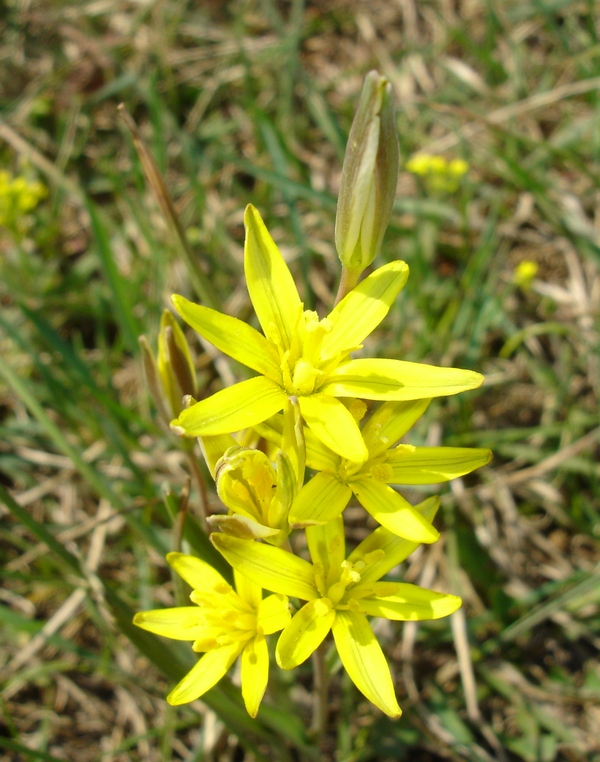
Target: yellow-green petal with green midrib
390,422
232,409
381,379
181,623
231,336
205,674
430,465
272,568
270,283
305,633
363,308
332,423
321,499
395,549
327,547
254,673
364,661
411,604
393,511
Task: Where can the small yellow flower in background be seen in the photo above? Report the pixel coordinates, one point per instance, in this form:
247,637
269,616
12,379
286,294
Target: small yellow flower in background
340,594
18,196
439,174
524,274
223,624
305,357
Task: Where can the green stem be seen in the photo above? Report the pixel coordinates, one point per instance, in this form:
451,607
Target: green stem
201,484
348,279
320,692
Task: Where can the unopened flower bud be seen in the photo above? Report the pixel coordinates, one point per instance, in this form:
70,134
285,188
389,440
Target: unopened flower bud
170,377
369,177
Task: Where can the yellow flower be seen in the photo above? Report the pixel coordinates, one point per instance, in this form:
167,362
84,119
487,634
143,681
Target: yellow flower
301,356
325,496
340,594
438,173
524,274
223,624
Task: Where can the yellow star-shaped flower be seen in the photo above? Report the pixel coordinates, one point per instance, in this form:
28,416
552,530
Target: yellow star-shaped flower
301,356
341,593
223,624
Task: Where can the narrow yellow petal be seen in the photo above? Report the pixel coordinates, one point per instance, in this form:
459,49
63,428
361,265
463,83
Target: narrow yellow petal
255,673
411,603
270,283
272,568
430,465
363,308
305,633
332,423
205,674
381,379
322,499
364,661
393,511
182,623
248,590
238,407
327,546
395,548
273,613
232,336
197,573
390,422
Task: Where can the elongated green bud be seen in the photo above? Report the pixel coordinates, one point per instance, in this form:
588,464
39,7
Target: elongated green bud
369,177
170,376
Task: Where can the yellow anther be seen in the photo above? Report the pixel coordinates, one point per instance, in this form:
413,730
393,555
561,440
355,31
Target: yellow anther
322,606
381,472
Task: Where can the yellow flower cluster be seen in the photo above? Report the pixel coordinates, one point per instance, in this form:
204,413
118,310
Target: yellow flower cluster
439,174
18,196
311,405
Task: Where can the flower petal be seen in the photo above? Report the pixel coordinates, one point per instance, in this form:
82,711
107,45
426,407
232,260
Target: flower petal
255,673
390,422
364,661
332,423
242,526
270,283
197,573
411,603
205,674
393,511
232,336
272,568
232,409
322,499
430,465
363,308
182,623
380,379
249,591
273,613
395,548
305,633
327,546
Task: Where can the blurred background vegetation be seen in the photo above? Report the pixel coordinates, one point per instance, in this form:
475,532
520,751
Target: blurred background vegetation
251,101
